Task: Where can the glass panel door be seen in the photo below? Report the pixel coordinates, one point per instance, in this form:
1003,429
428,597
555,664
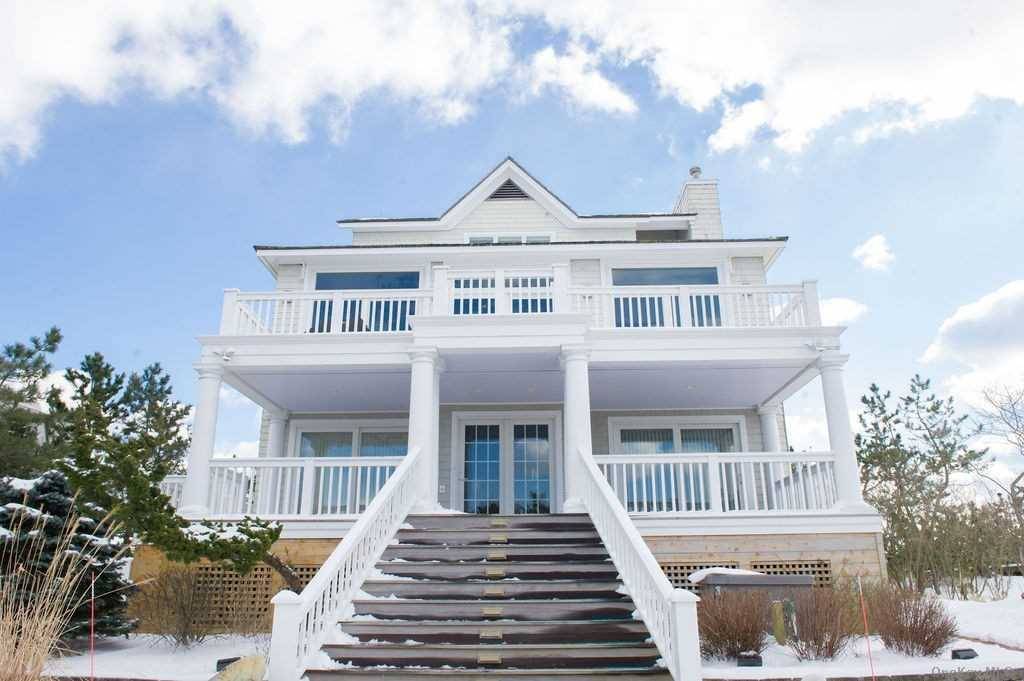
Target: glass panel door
531,464
482,469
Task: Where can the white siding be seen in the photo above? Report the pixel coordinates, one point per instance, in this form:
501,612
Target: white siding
701,197
512,217
289,278
748,271
585,272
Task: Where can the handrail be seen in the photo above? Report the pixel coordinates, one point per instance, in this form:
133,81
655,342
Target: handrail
302,621
273,462
669,613
785,457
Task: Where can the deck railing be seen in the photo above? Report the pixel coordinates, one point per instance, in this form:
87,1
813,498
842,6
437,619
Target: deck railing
173,486
722,483
515,292
670,614
684,307
330,486
302,621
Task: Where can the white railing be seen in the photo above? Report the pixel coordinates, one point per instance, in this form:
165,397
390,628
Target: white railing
683,307
487,292
717,483
322,312
296,486
670,614
302,621
518,291
173,486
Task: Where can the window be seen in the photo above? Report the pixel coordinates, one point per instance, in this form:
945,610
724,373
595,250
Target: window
333,281
482,240
383,443
707,440
325,444
510,239
661,235
646,440
664,276
538,239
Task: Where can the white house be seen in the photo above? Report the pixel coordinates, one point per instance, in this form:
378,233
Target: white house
516,349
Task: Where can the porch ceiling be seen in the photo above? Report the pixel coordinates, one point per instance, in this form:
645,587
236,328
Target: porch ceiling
523,378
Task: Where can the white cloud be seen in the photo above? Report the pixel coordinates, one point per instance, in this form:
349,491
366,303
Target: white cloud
575,73
783,76
230,397
874,254
841,311
243,449
986,338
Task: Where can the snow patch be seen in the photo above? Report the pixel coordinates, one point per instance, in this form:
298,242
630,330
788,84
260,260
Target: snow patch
699,576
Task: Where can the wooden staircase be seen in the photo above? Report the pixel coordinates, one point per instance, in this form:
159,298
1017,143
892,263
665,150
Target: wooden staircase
532,598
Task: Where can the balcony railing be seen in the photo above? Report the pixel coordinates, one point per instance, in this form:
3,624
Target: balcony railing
462,293
722,483
334,486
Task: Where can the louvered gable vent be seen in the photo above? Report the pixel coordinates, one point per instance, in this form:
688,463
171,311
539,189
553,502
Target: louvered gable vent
508,190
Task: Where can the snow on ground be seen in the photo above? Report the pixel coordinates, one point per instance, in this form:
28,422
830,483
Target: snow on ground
997,621
147,657
700,575
779,662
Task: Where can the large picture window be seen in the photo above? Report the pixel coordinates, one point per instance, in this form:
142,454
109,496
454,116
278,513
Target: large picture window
344,281
350,438
665,276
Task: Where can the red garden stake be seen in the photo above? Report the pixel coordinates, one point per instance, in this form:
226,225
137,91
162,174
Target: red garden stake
867,633
92,629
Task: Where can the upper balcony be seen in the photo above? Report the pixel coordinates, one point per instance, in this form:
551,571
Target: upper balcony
532,293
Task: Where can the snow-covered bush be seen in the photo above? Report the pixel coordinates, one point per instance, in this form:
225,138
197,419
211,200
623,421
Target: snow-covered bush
733,622
909,622
825,621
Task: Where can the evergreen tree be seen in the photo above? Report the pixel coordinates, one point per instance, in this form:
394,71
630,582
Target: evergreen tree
23,366
51,495
120,436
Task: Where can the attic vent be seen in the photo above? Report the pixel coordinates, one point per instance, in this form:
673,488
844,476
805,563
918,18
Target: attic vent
508,190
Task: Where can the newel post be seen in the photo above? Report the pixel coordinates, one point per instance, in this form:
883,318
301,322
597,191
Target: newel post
439,303
286,654
812,307
686,639
229,313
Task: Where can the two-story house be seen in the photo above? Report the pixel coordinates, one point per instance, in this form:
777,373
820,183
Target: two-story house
627,370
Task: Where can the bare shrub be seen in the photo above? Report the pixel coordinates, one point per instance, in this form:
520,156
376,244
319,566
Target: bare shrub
909,622
826,620
733,622
41,586
174,606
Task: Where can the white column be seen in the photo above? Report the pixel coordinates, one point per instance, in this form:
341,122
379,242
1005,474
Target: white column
277,433
576,364
204,433
770,440
840,435
423,411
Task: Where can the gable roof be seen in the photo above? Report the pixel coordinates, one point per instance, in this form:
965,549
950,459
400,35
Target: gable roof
508,180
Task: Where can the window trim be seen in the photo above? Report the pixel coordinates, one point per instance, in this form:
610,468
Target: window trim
616,424
297,427
522,236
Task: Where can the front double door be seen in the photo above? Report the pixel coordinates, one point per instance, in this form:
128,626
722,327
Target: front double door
508,465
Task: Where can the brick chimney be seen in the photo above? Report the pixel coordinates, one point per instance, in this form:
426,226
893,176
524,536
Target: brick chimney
700,196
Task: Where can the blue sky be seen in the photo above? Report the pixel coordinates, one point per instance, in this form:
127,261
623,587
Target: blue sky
137,167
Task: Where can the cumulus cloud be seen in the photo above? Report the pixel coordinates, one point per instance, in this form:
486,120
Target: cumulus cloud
778,75
841,311
575,73
986,338
874,254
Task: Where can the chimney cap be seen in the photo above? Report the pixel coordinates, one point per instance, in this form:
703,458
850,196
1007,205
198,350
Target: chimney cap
695,172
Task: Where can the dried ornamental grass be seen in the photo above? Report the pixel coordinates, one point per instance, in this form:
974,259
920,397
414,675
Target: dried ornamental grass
38,594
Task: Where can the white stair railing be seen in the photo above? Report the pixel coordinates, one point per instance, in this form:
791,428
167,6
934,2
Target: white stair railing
302,621
669,613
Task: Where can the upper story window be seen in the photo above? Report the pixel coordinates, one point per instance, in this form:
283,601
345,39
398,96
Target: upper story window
482,240
657,235
333,281
664,276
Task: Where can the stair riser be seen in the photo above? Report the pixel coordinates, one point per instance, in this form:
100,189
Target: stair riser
497,537
495,589
488,675
410,656
510,553
522,571
498,523
495,610
514,633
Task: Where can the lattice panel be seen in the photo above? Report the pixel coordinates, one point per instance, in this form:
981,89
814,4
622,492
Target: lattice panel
679,573
238,601
820,570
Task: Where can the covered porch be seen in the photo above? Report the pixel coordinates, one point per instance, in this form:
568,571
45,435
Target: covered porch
683,443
